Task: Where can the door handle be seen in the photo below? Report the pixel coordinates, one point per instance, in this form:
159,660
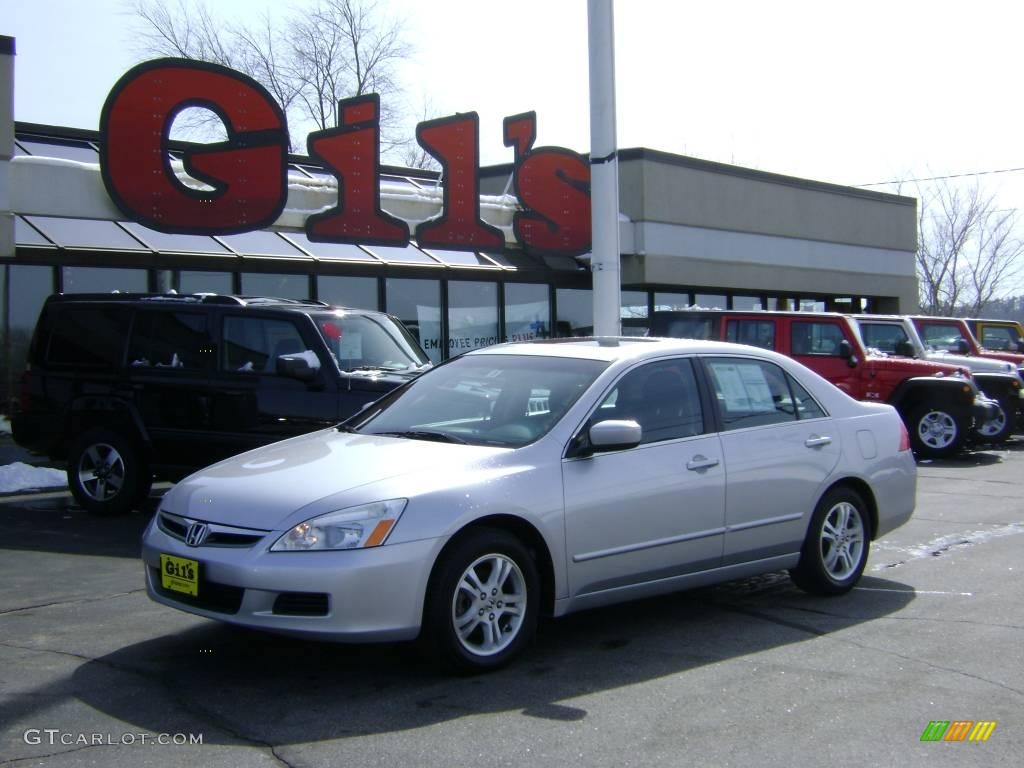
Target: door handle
815,441
701,462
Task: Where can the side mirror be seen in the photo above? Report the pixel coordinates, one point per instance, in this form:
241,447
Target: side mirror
961,347
1020,346
904,349
295,367
846,352
613,435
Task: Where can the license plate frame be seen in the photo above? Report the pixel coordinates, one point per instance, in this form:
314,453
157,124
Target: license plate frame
179,574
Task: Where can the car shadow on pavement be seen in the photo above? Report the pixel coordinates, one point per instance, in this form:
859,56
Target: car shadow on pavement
57,525
242,687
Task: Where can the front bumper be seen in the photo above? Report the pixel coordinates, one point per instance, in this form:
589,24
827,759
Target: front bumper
360,595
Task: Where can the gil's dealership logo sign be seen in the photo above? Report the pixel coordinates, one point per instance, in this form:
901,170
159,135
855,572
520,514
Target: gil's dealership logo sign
248,173
958,730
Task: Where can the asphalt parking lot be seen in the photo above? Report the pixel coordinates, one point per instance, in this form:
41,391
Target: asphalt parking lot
751,673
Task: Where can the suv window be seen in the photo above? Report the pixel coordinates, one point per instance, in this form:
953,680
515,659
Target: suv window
883,336
175,340
752,393
365,341
253,344
943,337
87,337
999,337
661,397
810,338
758,333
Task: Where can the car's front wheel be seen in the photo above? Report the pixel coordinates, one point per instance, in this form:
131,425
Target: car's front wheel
106,472
836,548
936,432
482,602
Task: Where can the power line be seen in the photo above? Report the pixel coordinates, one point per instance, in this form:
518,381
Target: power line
940,178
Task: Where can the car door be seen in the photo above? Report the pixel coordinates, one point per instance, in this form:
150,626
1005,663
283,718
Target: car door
253,404
656,510
168,368
779,446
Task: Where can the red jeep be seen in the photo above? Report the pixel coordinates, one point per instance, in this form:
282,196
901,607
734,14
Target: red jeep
940,404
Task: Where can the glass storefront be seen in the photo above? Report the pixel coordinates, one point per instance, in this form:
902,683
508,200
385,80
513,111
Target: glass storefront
633,313
575,312
205,282
343,291
280,286
472,315
417,303
26,289
669,301
527,311
104,280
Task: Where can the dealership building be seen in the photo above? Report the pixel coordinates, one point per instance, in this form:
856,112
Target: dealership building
692,232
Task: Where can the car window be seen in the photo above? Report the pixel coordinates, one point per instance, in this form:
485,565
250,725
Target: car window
368,341
173,340
811,338
88,337
757,333
502,400
944,337
752,393
999,337
882,336
661,397
253,344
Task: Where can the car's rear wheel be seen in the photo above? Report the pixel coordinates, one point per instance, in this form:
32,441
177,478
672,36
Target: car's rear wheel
998,428
936,432
835,550
482,601
106,472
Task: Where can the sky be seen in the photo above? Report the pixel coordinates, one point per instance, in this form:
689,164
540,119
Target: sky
850,93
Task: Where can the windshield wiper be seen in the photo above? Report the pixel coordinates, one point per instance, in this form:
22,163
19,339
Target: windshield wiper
425,434
376,368
346,428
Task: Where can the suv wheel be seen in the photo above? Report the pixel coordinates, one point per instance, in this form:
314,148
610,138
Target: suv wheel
998,428
936,432
106,473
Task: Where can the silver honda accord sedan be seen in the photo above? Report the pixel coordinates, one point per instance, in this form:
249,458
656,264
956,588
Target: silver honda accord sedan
537,478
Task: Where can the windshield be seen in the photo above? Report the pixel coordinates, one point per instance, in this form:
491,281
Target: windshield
505,400
369,342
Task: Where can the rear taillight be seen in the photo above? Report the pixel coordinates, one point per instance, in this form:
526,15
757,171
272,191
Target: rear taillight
904,437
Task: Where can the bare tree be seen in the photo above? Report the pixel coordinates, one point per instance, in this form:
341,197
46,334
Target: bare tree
968,252
308,61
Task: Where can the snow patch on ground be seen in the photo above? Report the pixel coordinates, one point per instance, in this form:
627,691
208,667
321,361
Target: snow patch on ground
943,544
22,477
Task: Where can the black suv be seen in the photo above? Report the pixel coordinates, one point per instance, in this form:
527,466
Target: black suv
125,386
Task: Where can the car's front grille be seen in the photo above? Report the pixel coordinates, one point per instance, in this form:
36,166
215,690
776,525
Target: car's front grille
301,604
217,536
219,598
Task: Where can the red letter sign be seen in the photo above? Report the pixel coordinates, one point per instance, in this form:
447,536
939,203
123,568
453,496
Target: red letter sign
455,142
553,185
248,172
352,153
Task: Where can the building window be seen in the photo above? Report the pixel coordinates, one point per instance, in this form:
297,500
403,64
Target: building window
472,315
104,280
205,282
633,313
354,292
417,303
710,300
666,301
527,312
575,312
746,302
276,285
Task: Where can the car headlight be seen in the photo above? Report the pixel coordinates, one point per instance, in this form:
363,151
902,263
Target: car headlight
354,528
